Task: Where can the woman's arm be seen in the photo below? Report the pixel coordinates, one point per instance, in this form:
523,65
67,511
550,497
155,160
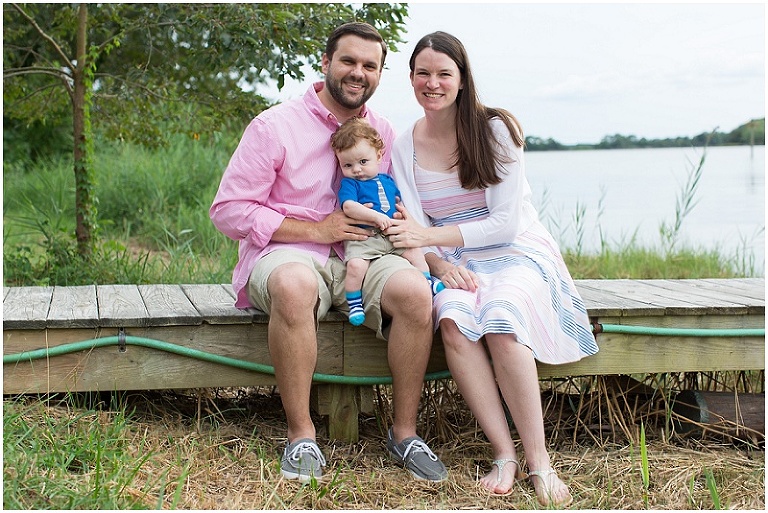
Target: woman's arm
406,232
506,200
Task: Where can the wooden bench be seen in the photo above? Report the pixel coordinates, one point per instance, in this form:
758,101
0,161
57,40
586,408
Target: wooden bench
203,318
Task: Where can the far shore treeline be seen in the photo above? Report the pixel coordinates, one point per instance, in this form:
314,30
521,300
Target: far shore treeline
750,133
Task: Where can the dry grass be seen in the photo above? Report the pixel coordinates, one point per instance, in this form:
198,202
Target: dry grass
223,448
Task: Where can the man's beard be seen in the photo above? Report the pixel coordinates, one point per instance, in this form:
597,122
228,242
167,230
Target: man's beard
337,93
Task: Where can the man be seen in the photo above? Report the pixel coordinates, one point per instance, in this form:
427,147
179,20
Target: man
278,198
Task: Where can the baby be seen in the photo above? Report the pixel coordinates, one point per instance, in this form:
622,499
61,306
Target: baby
359,150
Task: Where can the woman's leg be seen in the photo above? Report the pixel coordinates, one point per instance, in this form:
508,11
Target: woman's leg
515,370
472,372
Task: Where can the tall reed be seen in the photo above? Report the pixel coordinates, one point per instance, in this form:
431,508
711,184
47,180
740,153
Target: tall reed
154,224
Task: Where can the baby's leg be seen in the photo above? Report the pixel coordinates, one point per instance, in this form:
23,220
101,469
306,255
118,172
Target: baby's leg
416,258
353,283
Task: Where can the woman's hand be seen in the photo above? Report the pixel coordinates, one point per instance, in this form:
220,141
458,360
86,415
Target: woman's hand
405,232
457,277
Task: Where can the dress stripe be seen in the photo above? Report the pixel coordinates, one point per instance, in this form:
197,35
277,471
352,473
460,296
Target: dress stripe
525,287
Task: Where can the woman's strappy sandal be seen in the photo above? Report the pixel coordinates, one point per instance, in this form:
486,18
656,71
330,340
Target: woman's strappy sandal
500,464
544,476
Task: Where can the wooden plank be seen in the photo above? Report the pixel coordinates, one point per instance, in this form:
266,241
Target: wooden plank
73,307
246,342
597,302
19,341
142,368
216,304
230,290
681,298
755,287
611,296
364,354
751,290
673,302
168,305
26,307
639,354
715,302
121,306
361,354
137,368
330,352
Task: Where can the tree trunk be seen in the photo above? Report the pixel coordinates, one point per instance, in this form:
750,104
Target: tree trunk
84,202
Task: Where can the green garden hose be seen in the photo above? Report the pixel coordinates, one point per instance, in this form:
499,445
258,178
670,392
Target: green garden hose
121,340
679,332
85,345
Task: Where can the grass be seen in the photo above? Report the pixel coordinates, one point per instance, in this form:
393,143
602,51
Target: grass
153,217
166,450
62,457
219,449
154,225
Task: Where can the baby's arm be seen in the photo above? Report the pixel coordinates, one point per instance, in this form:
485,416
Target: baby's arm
366,215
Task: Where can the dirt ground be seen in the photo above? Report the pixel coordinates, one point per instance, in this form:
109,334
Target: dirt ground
230,447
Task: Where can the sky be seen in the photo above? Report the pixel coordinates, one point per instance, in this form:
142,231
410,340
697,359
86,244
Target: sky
577,72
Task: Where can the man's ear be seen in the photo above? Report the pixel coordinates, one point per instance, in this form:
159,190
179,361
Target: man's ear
325,62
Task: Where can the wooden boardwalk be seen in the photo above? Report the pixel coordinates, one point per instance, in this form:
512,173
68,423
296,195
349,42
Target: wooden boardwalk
203,318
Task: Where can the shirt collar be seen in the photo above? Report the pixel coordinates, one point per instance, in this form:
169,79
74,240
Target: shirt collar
312,100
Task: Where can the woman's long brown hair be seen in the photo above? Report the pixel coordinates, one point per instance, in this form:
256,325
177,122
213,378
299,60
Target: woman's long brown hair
478,152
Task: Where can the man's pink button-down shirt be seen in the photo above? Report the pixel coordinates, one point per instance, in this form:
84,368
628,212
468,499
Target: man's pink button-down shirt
283,167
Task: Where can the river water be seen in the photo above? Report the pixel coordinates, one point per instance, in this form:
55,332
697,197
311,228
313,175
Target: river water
615,196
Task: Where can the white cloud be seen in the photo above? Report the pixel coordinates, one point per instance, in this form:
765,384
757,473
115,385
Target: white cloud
585,87
578,72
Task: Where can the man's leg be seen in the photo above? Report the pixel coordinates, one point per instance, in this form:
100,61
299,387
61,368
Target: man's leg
293,342
291,287
407,299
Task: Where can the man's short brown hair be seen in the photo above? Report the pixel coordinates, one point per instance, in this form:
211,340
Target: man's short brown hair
359,29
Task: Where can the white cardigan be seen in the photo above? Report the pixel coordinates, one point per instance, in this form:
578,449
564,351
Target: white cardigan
509,202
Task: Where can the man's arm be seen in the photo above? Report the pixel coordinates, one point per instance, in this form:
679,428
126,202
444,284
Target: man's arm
336,227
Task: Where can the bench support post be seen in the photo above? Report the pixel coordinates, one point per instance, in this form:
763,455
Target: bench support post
342,404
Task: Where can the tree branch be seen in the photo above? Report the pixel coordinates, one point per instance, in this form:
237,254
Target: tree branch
48,38
130,84
35,70
31,94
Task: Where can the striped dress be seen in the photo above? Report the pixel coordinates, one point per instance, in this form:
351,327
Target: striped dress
525,287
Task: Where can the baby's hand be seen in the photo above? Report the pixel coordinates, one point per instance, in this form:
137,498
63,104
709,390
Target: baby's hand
383,222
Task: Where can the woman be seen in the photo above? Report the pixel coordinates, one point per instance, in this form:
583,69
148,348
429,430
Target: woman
509,299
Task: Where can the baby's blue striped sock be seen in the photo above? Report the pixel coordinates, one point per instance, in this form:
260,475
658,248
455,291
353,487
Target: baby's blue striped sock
435,284
356,312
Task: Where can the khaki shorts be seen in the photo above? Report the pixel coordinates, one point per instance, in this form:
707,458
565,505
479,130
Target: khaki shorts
330,282
375,247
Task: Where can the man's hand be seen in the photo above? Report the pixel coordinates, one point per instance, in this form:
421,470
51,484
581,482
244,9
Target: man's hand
339,227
